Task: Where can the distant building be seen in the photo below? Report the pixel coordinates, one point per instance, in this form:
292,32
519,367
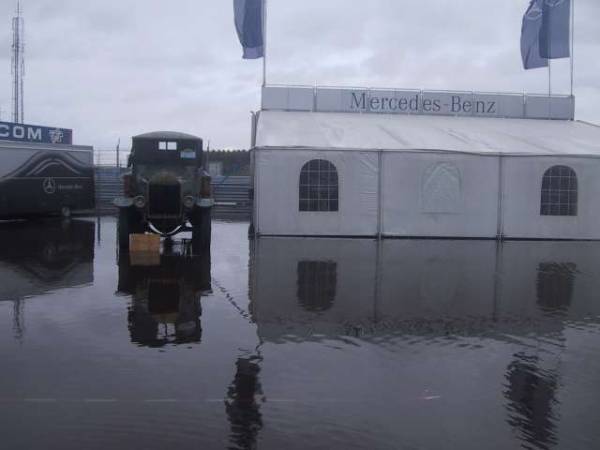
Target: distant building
343,162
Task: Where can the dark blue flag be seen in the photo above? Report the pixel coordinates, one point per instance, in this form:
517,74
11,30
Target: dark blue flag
556,29
530,36
249,25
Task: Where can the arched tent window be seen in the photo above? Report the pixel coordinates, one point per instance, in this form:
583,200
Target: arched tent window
559,192
318,186
317,284
555,285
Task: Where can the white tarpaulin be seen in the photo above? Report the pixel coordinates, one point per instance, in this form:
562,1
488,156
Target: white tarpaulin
277,184
428,176
351,131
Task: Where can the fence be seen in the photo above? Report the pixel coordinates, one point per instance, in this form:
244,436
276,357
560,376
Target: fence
232,197
231,194
108,158
108,187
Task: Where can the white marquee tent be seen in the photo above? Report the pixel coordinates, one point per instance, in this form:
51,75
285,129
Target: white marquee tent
415,175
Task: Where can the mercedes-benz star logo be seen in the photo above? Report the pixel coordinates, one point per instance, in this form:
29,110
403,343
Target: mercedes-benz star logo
49,186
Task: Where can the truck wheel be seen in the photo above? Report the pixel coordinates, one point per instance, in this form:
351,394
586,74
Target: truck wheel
129,223
201,231
126,280
123,228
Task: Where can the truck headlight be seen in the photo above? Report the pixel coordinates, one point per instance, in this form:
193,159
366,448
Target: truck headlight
139,202
189,202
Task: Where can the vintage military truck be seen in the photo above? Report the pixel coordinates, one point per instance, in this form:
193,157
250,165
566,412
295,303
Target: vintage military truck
166,189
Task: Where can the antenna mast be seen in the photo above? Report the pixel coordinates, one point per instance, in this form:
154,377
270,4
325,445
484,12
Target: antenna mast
18,65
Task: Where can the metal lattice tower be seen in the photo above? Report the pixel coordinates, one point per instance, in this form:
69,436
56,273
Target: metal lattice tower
18,65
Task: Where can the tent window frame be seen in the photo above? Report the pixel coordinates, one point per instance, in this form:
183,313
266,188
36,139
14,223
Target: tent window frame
318,187
559,192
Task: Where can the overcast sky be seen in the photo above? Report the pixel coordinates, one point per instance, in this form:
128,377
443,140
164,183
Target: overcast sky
111,69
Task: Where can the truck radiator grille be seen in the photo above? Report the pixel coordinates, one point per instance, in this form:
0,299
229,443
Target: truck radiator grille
164,199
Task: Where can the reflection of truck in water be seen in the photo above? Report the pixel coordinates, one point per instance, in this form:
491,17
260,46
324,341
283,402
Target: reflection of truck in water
166,190
165,298
45,179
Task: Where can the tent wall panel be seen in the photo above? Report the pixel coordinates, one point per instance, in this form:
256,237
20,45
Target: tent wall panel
522,199
278,177
440,195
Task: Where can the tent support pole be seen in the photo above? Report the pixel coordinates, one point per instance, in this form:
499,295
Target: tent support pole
264,30
379,194
549,89
498,277
254,218
256,199
500,206
377,292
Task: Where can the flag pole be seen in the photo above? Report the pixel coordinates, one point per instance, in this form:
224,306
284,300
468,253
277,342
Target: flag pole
264,30
549,78
549,88
572,43
549,44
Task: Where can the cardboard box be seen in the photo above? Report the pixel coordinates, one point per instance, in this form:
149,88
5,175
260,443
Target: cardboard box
144,259
144,243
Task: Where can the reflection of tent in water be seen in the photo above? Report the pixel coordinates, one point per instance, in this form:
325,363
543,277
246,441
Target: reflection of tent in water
531,394
555,285
317,281
339,286
38,257
520,294
532,377
241,405
165,305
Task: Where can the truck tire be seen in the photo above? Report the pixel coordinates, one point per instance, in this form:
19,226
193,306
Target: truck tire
123,228
201,231
129,223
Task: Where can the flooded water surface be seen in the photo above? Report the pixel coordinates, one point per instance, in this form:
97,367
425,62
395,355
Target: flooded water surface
296,343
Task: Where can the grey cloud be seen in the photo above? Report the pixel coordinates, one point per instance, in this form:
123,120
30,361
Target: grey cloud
114,68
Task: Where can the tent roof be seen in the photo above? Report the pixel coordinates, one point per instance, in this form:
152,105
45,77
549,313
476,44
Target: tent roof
352,131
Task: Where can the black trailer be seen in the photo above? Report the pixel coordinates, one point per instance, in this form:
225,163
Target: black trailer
40,179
